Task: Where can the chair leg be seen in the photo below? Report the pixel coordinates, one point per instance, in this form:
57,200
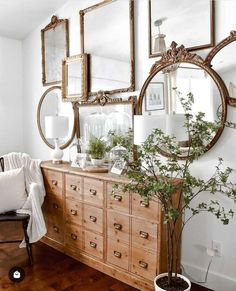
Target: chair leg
28,245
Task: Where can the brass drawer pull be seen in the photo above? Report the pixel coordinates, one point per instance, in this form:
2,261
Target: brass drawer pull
93,245
73,236
55,228
117,226
73,212
144,203
54,182
143,234
93,192
73,187
55,206
117,254
143,265
117,198
93,218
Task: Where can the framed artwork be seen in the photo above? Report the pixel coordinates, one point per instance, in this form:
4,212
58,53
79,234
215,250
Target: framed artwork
118,167
154,98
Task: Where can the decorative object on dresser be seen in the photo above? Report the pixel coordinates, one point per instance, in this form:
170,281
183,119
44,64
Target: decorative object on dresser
55,47
120,235
97,151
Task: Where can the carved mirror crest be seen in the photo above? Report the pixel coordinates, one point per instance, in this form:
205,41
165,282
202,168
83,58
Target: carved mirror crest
55,47
107,35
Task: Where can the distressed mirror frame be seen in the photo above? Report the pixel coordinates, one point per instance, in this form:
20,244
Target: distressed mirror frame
181,55
226,41
52,25
39,123
132,55
198,47
78,97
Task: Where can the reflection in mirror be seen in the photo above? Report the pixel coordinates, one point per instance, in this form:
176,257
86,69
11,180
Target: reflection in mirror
113,19
167,21
51,104
55,47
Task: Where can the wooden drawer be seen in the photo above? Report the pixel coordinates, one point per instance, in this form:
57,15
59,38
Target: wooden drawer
73,236
73,211
52,181
118,226
148,210
93,191
53,206
118,201
55,229
73,187
93,218
118,254
144,233
93,244
144,263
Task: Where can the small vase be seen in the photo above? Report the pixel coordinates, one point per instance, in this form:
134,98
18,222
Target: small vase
157,288
97,162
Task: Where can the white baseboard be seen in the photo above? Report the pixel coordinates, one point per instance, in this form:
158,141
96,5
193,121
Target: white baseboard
215,281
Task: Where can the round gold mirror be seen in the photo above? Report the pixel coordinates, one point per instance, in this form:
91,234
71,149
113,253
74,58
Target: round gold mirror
50,104
180,72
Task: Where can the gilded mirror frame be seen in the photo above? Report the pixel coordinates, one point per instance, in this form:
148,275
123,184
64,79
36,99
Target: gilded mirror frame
65,145
178,54
197,47
131,45
76,97
221,45
51,26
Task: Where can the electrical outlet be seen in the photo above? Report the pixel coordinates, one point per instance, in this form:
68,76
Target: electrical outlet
217,248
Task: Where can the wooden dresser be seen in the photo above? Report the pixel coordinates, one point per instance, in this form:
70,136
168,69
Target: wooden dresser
119,235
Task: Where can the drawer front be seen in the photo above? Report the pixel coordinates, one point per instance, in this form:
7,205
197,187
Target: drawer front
93,218
93,191
118,254
53,206
144,233
93,244
148,210
73,187
117,201
73,236
53,181
144,263
55,229
118,226
73,211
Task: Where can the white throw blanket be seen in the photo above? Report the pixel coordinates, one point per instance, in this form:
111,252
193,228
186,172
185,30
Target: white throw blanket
35,192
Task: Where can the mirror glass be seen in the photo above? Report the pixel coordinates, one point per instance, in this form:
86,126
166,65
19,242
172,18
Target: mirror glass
108,38
167,21
55,47
51,105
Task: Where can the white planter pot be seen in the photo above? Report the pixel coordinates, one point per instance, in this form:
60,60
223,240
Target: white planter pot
157,288
97,162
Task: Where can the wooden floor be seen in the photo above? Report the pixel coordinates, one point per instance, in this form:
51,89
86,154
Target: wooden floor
54,271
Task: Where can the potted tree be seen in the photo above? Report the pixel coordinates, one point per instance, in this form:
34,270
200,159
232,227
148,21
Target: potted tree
97,150
153,177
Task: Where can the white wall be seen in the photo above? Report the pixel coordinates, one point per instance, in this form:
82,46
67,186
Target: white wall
199,234
10,96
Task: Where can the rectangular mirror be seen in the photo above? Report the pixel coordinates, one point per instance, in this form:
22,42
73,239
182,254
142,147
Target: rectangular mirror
107,35
55,47
74,78
186,22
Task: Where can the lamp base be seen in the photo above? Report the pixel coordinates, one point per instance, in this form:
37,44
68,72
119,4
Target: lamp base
57,162
57,153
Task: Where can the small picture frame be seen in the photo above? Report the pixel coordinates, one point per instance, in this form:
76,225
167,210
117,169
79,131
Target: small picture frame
154,98
79,161
118,167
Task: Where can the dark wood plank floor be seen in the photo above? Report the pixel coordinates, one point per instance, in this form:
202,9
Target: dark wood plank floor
54,271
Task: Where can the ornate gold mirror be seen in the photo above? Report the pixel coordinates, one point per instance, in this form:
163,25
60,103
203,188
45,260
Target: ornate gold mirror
221,59
51,104
189,22
74,78
181,71
107,35
55,47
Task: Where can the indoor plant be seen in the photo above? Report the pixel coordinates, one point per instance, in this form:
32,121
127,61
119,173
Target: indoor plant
97,150
153,176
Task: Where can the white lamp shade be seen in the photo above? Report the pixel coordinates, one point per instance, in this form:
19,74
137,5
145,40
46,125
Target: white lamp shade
145,124
175,126
56,126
